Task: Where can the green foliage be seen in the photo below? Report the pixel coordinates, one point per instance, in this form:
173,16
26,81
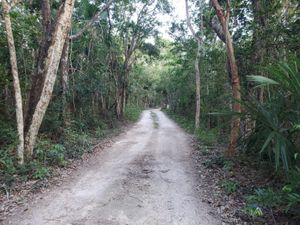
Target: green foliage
76,143
265,198
207,136
215,161
40,172
7,133
100,132
275,134
286,199
204,149
229,186
254,211
183,121
292,190
228,166
7,165
132,113
49,154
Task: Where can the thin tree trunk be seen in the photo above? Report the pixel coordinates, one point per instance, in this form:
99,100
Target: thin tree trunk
16,82
259,44
64,65
235,80
198,85
118,103
125,86
124,92
60,32
197,70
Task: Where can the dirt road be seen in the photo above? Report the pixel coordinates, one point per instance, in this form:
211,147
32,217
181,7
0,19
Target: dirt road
145,177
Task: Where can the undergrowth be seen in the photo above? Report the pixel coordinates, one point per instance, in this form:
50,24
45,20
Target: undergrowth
206,137
261,198
132,113
53,150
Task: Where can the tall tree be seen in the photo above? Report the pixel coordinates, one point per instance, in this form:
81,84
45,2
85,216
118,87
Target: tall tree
199,41
138,20
51,54
6,7
64,66
223,17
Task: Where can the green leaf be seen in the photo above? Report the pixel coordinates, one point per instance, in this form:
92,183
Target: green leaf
261,80
270,137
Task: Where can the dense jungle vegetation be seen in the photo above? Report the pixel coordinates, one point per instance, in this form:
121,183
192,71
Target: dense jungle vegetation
71,72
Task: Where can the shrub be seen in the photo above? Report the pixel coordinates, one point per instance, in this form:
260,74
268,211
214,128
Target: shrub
215,161
7,166
49,154
100,132
76,143
285,199
276,134
229,186
207,136
40,172
132,113
8,135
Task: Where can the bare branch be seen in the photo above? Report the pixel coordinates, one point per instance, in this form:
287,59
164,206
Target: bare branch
91,22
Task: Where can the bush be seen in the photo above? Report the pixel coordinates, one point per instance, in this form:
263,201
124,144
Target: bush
132,113
229,186
7,166
184,122
49,154
40,172
276,135
207,136
100,132
215,161
286,199
75,143
8,134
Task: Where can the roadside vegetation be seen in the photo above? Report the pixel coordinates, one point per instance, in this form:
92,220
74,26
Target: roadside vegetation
261,175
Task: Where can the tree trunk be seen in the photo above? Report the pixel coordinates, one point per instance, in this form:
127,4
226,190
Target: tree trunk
16,82
259,44
198,85
124,87
118,103
235,80
64,65
51,64
39,77
197,70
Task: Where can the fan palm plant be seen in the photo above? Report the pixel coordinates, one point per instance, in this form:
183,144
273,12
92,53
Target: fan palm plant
277,119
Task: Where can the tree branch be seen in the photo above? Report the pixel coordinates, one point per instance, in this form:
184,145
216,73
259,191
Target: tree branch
188,20
219,11
91,22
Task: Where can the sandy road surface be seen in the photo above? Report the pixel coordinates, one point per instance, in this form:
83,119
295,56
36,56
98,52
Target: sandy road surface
145,177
